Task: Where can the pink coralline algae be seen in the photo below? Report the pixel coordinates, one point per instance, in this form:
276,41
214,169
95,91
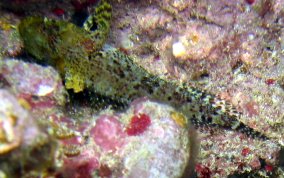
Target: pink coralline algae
234,151
112,151
138,124
242,41
233,47
108,133
21,138
40,87
81,166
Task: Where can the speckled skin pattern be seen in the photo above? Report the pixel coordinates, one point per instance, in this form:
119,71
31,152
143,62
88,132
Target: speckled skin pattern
80,57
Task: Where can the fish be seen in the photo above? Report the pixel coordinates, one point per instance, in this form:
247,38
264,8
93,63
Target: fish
86,62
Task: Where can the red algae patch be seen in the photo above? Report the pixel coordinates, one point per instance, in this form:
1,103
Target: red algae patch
245,151
58,11
203,171
129,144
270,81
250,2
139,123
135,142
269,168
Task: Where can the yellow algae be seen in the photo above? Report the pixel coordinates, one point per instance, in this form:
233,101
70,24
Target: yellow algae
5,26
76,82
24,103
194,38
179,118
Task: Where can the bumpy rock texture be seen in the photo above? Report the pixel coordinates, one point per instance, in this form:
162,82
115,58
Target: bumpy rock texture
113,150
23,145
75,142
233,49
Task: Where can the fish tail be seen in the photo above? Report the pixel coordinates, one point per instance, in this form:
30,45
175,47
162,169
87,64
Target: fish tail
101,18
208,110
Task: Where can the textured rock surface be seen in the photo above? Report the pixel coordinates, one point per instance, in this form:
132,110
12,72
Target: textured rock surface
23,145
10,43
243,63
111,149
17,125
38,86
231,48
133,143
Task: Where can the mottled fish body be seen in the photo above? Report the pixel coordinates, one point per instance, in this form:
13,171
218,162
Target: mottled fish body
118,76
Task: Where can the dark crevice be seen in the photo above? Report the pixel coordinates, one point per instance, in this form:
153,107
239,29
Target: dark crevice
95,100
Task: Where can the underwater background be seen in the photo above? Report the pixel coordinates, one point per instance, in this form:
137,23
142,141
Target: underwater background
141,89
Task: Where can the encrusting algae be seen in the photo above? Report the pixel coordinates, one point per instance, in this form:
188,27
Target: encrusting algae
86,62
